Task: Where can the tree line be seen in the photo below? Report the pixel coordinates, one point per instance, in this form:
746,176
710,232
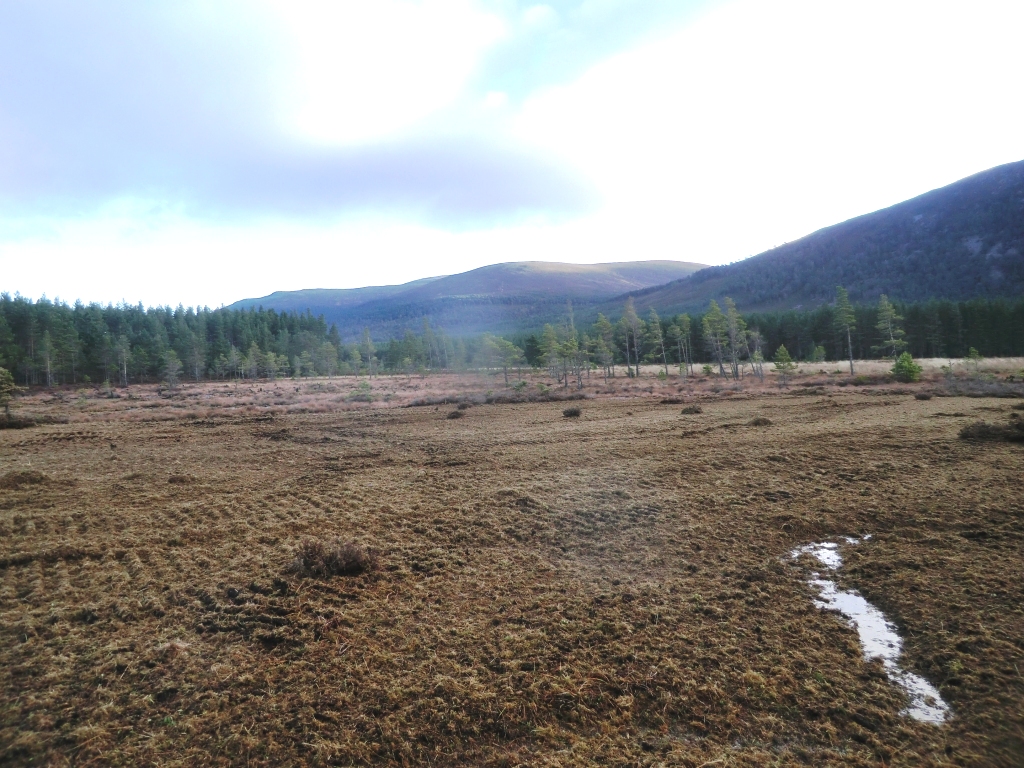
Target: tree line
731,341
53,343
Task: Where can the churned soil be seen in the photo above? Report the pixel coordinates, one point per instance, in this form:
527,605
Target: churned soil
611,589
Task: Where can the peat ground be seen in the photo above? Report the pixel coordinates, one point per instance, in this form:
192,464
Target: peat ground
611,589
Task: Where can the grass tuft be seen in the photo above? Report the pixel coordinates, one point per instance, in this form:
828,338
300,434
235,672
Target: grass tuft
456,414
759,421
572,412
692,409
922,396
320,559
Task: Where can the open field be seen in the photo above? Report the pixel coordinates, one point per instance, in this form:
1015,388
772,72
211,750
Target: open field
613,589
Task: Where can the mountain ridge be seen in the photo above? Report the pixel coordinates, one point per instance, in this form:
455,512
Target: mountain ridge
497,297
961,241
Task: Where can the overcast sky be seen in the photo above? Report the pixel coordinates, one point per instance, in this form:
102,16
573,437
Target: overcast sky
202,152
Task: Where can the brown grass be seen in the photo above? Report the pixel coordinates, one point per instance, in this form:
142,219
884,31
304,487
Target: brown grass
615,590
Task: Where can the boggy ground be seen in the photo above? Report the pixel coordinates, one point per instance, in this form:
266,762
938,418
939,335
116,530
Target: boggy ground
614,589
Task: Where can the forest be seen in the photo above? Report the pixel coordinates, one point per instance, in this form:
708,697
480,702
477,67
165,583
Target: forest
46,343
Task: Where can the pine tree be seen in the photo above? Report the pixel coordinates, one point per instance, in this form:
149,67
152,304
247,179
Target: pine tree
905,369
736,331
634,331
172,369
657,337
845,320
784,365
888,328
7,390
716,333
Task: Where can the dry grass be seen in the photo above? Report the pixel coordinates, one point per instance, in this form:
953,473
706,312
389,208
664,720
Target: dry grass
613,590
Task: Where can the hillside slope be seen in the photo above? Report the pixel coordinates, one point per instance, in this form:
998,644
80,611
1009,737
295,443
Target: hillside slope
959,242
499,297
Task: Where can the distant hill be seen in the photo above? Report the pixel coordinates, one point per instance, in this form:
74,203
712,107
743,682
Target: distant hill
500,297
958,242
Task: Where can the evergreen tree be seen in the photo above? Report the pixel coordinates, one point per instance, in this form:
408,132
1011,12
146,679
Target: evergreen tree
172,369
716,334
736,332
657,338
7,390
905,369
634,331
784,365
845,320
888,328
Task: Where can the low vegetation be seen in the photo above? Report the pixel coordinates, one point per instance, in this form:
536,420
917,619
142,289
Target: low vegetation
320,559
354,583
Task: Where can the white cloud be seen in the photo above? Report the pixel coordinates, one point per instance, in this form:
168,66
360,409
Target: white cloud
368,71
754,125
762,122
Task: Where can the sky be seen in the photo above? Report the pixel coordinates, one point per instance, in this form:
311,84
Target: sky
200,152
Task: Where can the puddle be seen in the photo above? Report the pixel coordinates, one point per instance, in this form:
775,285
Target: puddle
878,636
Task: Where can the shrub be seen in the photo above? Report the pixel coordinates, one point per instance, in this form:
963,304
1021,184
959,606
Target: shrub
707,369
692,409
456,414
572,412
982,430
671,400
334,558
759,421
922,396
905,369
465,406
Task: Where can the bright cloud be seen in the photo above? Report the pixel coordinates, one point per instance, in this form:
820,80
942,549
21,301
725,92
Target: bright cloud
369,71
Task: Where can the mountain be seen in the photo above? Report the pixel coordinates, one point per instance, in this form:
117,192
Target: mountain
499,297
959,242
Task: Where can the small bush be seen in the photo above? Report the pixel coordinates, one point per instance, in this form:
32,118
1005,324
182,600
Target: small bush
922,396
982,430
572,413
671,400
456,414
692,409
465,406
905,369
334,558
760,421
